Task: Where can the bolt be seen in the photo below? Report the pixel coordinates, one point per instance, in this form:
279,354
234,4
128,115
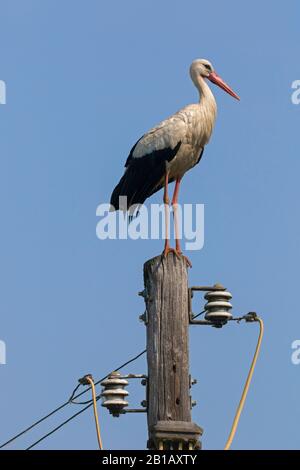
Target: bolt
193,403
142,317
219,286
144,382
144,403
192,381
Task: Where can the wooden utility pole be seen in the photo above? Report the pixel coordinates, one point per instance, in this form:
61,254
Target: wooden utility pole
167,321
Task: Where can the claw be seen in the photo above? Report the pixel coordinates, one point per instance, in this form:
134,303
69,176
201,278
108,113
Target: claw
168,250
188,262
178,254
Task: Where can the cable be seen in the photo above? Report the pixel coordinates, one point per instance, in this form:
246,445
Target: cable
86,407
247,384
58,427
72,398
239,409
95,399
90,380
62,424
198,314
51,413
34,424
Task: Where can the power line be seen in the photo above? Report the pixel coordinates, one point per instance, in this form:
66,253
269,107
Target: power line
58,427
72,397
34,424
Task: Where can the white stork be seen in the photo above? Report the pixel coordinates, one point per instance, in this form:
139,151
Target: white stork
171,148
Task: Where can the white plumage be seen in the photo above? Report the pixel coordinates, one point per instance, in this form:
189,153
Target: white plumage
189,130
173,147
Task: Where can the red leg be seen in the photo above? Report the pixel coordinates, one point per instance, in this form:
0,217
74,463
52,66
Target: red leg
175,214
167,214
176,192
167,248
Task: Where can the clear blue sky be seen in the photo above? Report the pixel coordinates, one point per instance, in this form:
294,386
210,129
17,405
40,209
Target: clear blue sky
84,81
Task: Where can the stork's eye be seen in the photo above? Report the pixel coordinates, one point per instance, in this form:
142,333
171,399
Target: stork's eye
207,66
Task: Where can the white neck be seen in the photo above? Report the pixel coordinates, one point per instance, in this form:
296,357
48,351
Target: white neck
206,97
207,108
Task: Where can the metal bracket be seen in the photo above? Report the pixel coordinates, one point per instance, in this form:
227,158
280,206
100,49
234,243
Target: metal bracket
191,290
114,393
135,410
144,382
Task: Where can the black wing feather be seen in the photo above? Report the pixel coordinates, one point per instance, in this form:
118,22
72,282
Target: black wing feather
142,176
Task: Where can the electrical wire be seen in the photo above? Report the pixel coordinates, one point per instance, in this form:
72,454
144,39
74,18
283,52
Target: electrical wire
198,314
70,400
96,398
247,384
58,427
34,424
72,397
90,380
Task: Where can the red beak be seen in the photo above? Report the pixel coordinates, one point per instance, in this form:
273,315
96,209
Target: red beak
214,78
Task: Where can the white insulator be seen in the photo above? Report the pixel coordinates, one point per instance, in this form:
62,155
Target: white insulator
218,294
114,404
113,394
110,395
217,304
114,391
114,382
218,307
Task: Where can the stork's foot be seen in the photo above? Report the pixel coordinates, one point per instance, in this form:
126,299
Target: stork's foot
186,259
179,255
168,250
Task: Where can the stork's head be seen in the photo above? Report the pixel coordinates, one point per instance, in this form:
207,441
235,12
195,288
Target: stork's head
203,68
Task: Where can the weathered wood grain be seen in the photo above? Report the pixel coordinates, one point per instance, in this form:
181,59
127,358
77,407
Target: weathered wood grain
166,297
